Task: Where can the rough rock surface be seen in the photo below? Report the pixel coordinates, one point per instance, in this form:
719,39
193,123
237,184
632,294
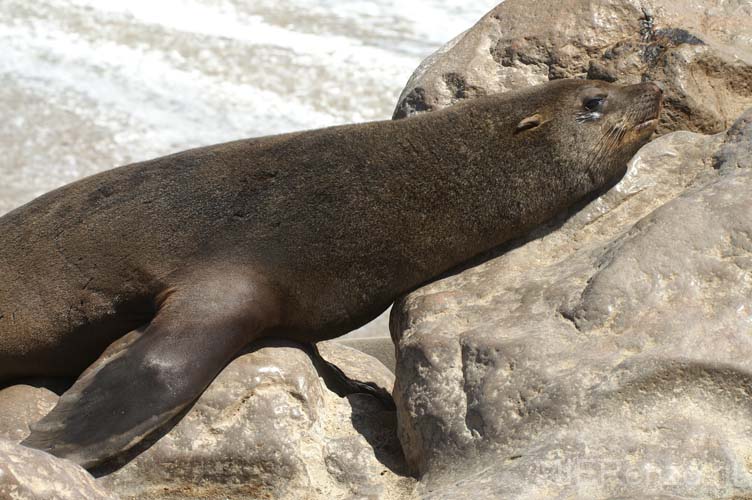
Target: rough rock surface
22,404
27,474
700,51
607,355
267,427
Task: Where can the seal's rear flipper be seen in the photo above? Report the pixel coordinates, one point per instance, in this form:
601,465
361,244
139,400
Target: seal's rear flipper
341,384
150,375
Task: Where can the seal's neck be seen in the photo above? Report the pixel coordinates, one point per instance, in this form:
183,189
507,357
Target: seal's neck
484,186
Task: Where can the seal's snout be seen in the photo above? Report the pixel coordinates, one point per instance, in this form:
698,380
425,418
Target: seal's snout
656,92
650,92
654,87
647,101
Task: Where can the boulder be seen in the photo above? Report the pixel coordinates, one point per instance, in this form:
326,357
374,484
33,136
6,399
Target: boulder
267,427
23,404
606,355
27,474
701,52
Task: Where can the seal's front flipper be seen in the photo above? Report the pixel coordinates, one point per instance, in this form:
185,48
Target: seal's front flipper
150,376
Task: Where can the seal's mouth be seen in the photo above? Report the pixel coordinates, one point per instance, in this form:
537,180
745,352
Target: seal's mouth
653,122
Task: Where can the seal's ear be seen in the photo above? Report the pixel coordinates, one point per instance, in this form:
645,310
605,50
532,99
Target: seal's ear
529,123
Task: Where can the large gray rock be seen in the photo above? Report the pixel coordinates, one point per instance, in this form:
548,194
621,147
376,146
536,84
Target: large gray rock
700,51
267,427
27,474
607,355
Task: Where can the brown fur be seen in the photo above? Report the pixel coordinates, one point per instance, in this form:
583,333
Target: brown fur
315,232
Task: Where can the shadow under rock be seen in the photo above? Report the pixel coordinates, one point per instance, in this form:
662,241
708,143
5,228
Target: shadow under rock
378,426
374,414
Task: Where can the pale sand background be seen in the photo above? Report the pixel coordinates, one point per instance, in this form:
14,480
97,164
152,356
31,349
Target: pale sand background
86,85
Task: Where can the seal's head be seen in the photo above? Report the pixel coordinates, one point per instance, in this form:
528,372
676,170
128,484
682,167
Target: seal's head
623,117
598,126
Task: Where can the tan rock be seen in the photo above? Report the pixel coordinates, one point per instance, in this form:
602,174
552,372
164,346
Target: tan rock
607,355
23,404
27,474
699,51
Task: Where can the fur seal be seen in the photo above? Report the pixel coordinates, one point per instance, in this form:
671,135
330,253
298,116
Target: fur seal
164,270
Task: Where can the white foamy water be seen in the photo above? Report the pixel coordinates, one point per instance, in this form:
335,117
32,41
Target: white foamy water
86,85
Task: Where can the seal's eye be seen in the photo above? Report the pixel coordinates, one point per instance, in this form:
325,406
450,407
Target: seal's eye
594,104
592,108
